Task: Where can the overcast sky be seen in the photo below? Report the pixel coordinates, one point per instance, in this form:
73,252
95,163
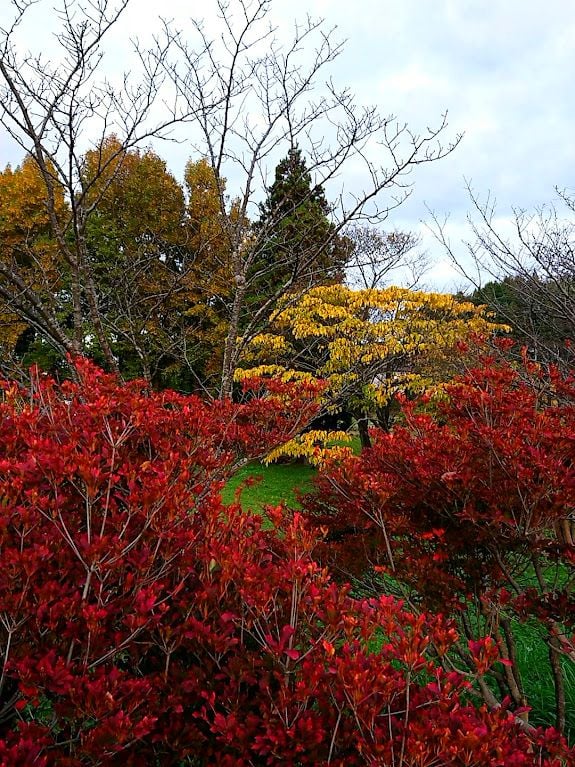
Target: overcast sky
503,69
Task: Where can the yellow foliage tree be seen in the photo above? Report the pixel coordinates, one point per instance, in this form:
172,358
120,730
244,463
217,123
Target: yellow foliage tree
207,232
164,275
135,235
29,257
134,189
367,345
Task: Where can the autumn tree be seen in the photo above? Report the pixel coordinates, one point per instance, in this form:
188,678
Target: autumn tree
31,262
46,107
207,258
367,344
131,235
206,226
161,264
157,262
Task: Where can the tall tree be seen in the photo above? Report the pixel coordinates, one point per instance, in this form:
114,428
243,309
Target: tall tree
53,108
207,258
131,238
32,272
301,246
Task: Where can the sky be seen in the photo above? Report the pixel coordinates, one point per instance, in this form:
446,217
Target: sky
502,69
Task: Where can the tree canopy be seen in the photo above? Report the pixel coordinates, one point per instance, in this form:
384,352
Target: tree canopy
300,243
367,344
53,108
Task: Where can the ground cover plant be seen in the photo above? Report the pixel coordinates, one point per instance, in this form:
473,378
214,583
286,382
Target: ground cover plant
143,622
469,507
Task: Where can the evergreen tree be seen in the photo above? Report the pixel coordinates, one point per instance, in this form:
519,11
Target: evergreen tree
299,244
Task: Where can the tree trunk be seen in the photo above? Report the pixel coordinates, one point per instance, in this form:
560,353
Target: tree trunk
384,417
559,682
230,360
96,318
363,428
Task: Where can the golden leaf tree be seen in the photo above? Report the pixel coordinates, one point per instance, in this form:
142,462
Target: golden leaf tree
367,345
135,243
161,260
212,221
29,257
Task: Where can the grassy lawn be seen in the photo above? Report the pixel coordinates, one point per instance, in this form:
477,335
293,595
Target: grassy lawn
532,654
276,483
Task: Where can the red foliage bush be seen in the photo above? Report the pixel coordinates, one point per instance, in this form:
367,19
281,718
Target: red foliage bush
469,507
143,623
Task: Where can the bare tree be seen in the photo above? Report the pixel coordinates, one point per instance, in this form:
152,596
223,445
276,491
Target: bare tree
527,275
378,256
55,110
271,97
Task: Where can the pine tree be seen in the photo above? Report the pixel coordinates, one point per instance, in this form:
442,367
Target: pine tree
299,243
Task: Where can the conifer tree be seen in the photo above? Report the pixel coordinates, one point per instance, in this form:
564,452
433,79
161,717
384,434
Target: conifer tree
299,242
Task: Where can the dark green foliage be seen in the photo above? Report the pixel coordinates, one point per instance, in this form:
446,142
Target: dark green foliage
300,246
535,309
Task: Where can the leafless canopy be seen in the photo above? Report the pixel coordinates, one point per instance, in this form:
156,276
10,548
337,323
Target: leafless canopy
379,256
255,97
526,273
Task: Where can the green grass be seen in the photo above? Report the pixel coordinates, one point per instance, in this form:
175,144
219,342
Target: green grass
274,484
277,483
533,658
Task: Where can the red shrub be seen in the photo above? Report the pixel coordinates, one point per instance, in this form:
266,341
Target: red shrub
143,623
470,509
